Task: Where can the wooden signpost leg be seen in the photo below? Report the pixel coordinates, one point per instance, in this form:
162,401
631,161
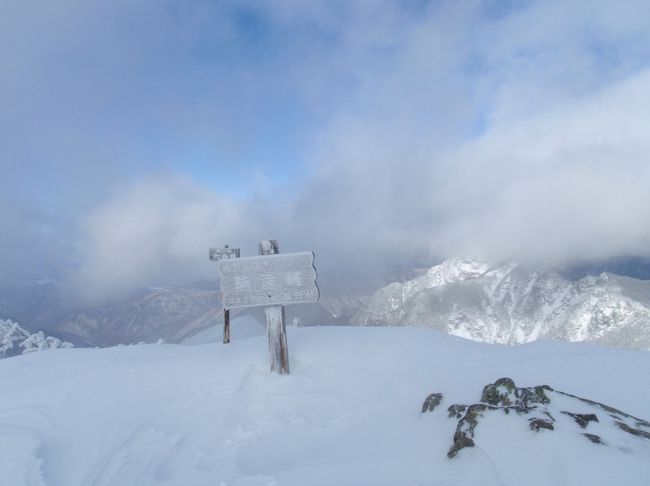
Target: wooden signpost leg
217,254
275,325
277,333
226,326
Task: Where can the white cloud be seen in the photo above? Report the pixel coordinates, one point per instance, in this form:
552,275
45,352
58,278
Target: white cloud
157,231
570,183
431,129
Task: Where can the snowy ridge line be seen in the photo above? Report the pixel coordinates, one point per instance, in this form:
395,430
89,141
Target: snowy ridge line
509,303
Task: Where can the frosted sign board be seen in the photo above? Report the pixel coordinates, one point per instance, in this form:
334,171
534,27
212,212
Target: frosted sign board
281,279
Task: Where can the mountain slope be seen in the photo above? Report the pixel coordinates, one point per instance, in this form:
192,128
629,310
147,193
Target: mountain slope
169,313
348,414
512,304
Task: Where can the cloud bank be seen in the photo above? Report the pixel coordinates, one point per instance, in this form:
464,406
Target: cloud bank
382,135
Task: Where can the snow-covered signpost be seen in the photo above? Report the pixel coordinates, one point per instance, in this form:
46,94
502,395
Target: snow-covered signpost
272,280
217,254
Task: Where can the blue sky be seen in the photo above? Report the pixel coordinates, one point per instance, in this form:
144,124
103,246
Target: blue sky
476,127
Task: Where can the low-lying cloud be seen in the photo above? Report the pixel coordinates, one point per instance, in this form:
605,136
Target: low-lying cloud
573,183
155,232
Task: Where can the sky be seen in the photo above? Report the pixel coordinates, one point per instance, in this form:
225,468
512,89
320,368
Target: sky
383,135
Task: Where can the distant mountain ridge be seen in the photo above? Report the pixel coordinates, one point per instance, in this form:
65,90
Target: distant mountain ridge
170,313
502,303
509,303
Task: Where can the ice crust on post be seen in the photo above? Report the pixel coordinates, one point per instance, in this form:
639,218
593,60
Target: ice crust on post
277,334
275,325
217,254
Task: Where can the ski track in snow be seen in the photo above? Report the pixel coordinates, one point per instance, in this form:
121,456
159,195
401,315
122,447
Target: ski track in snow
142,456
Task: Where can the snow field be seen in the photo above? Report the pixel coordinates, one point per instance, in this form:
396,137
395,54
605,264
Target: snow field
348,414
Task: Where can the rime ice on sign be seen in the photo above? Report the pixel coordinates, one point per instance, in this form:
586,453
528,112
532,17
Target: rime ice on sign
279,279
217,254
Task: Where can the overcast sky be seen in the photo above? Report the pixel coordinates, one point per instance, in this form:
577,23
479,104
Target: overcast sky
381,134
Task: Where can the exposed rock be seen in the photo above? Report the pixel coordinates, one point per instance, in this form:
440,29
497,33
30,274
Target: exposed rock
632,430
593,438
536,403
431,402
501,392
537,424
464,435
457,410
582,419
613,412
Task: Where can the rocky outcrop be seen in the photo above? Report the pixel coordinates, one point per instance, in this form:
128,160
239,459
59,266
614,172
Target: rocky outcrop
431,402
541,408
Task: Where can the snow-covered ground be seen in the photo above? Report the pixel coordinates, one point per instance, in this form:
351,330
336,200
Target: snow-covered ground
243,327
349,414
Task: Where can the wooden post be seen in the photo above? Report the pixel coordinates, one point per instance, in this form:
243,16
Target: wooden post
275,325
270,280
226,326
217,254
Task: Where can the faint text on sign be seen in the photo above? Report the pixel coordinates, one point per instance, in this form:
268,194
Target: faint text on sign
280,279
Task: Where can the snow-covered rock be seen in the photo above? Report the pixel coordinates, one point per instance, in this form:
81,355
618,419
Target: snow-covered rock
541,408
511,304
15,340
348,414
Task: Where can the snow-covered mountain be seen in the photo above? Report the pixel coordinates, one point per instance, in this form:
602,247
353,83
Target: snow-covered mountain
170,313
176,313
349,414
503,303
15,340
509,303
